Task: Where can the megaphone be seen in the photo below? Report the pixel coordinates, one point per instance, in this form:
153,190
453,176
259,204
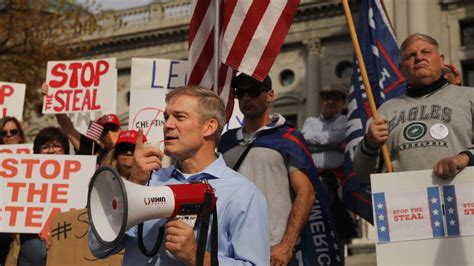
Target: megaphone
115,204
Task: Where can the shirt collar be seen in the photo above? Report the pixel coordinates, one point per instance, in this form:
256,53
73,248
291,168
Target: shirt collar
277,120
214,171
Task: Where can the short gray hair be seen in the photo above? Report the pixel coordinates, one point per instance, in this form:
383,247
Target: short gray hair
211,105
418,36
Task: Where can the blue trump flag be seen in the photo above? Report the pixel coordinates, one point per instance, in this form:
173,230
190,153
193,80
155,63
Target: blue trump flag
381,57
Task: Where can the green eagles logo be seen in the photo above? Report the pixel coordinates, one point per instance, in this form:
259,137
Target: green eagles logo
414,131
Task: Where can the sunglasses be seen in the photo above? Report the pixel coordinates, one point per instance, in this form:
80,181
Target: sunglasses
252,92
124,148
12,132
109,128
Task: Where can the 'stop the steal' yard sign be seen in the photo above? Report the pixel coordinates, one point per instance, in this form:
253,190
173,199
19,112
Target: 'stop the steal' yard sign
80,86
34,187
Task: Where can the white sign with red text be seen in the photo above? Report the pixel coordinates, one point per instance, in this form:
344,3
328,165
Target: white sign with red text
464,202
17,148
12,98
416,212
34,187
81,86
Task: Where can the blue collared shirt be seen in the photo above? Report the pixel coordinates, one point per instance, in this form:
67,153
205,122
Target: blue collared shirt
243,230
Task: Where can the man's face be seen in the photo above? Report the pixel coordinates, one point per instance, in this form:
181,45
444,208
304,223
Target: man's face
183,129
421,63
332,104
254,107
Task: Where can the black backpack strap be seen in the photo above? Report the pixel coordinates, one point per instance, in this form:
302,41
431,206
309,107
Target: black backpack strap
242,157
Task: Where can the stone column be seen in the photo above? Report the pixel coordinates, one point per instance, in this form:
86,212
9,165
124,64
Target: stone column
313,76
418,13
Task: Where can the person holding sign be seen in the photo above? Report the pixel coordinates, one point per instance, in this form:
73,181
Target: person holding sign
11,132
194,120
50,140
430,126
121,156
84,145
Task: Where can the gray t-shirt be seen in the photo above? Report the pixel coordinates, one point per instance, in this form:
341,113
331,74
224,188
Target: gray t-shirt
269,171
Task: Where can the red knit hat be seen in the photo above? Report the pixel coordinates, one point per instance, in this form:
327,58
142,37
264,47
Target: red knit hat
129,136
109,119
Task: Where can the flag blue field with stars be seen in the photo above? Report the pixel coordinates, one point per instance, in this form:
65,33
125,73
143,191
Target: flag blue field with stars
436,212
381,221
452,220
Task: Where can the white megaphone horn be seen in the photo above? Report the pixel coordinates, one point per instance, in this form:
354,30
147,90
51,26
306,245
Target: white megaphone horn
115,204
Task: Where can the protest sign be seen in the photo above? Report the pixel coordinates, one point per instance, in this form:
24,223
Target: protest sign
146,112
35,186
155,73
69,241
418,213
236,120
80,86
17,148
150,81
12,98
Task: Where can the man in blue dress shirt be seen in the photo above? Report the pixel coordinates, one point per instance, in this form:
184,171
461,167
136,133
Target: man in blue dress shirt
194,119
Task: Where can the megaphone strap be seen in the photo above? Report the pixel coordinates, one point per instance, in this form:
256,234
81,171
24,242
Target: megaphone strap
207,210
156,246
214,231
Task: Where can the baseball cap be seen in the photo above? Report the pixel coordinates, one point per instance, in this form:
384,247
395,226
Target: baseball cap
334,88
447,68
128,136
109,119
267,82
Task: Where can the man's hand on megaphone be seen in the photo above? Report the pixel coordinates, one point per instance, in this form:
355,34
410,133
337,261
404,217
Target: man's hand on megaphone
147,159
180,241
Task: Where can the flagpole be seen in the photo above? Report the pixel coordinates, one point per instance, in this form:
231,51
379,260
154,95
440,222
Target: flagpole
365,79
216,46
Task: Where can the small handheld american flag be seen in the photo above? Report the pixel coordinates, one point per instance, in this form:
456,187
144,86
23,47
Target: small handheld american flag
94,131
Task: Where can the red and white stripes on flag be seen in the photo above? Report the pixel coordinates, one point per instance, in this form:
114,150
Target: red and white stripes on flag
251,35
94,131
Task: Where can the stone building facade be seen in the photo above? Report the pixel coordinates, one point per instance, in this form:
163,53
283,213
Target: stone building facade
317,50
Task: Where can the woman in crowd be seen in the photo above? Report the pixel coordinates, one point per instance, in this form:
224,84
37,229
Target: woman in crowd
121,156
50,140
11,132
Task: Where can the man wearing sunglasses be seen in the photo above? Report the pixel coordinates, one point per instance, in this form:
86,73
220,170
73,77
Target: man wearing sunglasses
272,154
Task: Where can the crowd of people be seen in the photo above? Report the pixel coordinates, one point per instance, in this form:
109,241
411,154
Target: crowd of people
267,175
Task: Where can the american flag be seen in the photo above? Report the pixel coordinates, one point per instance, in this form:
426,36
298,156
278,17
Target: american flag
251,35
381,57
94,131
